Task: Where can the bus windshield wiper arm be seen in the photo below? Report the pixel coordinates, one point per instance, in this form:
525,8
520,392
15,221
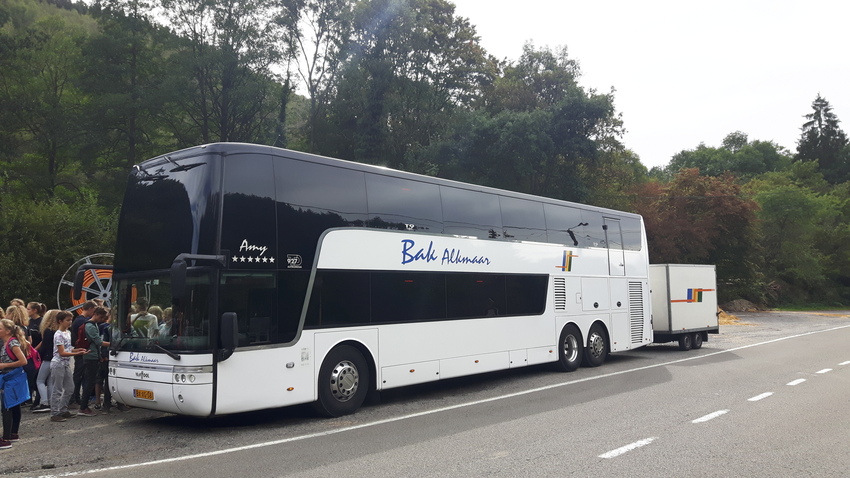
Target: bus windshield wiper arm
167,352
113,349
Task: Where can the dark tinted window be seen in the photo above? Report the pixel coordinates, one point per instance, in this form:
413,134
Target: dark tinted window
475,295
631,233
471,213
168,211
347,298
253,296
526,294
401,297
561,221
313,198
402,204
339,298
248,229
522,220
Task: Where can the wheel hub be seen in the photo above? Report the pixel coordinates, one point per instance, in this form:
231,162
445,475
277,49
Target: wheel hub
570,348
596,345
344,381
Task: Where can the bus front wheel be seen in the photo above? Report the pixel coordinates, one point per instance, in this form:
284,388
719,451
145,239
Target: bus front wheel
569,355
597,347
343,382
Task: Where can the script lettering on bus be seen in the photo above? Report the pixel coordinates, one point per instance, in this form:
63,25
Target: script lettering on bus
142,358
409,254
251,247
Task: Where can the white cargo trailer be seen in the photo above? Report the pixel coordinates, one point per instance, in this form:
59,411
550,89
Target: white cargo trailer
684,303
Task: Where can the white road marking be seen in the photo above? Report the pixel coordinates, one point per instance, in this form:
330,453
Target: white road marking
627,448
437,410
796,382
824,370
710,416
760,397
845,363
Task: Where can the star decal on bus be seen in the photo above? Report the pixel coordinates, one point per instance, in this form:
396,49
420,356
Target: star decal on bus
567,262
252,259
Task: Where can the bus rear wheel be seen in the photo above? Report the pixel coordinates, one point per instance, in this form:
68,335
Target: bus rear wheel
570,349
597,347
343,382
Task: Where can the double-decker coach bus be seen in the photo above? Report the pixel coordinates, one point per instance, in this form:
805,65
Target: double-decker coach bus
249,277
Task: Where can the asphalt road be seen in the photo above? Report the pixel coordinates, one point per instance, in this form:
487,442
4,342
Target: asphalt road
766,397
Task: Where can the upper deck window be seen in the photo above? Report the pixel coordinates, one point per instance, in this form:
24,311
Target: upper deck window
471,213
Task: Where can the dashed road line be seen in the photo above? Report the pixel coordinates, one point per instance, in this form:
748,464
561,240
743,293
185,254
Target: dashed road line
627,448
824,370
760,397
710,416
845,363
796,382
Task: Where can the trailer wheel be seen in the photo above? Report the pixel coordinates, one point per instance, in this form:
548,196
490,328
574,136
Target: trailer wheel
685,342
570,349
697,342
597,347
343,382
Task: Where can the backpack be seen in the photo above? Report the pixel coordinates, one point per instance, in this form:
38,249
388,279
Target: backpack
83,341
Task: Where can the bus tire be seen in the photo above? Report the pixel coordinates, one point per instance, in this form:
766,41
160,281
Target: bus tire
570,349
343,382
696,343
596,350
685,342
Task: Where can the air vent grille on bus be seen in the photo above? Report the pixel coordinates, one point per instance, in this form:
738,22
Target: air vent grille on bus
560,293
636,312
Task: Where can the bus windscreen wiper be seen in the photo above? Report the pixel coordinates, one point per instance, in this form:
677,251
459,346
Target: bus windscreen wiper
166,351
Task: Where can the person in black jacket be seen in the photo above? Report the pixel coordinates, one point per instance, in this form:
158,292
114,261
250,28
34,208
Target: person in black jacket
86,312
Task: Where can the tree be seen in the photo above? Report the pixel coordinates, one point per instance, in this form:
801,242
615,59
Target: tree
697,219
737,155
41,107
413,65
821,139
547,133
226,51
319,33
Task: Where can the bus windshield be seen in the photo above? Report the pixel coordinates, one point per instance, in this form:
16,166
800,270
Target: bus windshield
147,317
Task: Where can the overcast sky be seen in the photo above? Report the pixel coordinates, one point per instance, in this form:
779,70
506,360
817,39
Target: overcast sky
689,72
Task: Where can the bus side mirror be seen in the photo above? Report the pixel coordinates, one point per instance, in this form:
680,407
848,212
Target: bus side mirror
178,279
229,335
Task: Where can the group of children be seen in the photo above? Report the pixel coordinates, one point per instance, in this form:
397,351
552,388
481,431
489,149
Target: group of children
31,336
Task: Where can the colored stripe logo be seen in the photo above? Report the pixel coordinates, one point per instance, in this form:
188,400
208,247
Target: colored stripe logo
567,262
694,295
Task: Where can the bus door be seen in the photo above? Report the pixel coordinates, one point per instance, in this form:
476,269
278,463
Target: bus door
614,241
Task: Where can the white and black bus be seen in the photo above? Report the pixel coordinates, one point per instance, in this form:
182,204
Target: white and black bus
266,277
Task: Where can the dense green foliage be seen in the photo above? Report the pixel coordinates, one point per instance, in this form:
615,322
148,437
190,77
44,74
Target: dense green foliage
88,90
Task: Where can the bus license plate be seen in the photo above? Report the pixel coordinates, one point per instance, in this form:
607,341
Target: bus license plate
143,394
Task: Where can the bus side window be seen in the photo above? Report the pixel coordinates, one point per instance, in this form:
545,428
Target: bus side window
252,296
522,220
593,233
402,204
564,225
471,213
631,233
312,198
